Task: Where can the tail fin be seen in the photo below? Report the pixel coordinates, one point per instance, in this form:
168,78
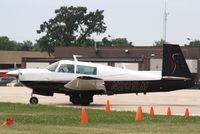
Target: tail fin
174,64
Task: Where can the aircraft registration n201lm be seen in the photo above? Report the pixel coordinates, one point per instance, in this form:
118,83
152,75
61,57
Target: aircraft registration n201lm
82,80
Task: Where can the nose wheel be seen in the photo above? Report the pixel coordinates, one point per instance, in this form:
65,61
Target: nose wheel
33,100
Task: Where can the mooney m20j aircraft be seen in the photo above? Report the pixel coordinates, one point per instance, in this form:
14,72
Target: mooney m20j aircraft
82,80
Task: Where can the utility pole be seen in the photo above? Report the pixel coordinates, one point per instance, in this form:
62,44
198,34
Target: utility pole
165,22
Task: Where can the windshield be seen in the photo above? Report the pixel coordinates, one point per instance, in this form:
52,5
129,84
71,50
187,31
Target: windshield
52,67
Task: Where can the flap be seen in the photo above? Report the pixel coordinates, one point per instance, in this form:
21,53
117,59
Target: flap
85,83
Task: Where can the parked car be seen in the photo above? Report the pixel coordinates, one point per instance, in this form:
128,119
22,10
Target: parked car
14,83
196,86
5,80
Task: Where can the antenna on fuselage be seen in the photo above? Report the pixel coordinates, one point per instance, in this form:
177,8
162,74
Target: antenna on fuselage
75,57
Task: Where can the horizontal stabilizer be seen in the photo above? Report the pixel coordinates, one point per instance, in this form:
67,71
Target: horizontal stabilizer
85,83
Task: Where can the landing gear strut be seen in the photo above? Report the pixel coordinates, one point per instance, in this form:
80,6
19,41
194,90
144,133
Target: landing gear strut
33,100
83,98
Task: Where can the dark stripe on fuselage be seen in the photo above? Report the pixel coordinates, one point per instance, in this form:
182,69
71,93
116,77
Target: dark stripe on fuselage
146,86
115,87
45,85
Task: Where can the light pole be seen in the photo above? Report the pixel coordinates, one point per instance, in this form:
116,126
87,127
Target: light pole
111,38
165,22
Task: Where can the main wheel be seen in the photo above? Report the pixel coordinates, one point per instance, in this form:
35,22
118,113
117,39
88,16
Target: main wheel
75,99
86,99
33,100
85,102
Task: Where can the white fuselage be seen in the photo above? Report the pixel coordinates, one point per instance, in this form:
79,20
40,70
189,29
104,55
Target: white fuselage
106,73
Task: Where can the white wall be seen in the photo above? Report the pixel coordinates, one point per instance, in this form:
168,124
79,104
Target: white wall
36,64
192,64
156,64
131,66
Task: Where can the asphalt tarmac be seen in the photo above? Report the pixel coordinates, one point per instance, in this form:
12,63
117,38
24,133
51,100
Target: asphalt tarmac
177,100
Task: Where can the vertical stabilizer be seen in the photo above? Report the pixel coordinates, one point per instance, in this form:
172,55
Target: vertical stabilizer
174,64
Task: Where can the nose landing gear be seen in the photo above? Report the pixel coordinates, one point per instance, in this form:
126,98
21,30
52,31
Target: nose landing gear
33,99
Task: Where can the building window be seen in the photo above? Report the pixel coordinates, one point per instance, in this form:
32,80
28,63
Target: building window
86,70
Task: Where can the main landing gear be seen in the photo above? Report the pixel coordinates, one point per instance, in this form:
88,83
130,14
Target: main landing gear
33,99
84,98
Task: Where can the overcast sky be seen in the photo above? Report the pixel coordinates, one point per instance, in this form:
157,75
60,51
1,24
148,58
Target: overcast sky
140,21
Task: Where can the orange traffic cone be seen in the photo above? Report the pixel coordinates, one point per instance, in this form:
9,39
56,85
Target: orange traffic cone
187,114
8,122
169,113
138,116
107,108
84,118
151,111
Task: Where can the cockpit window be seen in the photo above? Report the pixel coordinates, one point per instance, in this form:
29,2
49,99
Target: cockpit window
53,67
86,70
66,68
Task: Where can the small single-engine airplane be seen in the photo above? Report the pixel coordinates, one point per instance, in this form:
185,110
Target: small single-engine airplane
82,80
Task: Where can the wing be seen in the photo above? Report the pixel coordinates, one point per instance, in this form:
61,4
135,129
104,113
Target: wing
85,83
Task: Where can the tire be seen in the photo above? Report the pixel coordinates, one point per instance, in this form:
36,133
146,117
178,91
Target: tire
33,100
75,99
86,99
85,103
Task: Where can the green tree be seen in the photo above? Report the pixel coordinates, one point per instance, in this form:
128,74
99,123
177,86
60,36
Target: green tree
106,42
72,26
120,42
194,43
27,46
7,44
36,47
159,43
